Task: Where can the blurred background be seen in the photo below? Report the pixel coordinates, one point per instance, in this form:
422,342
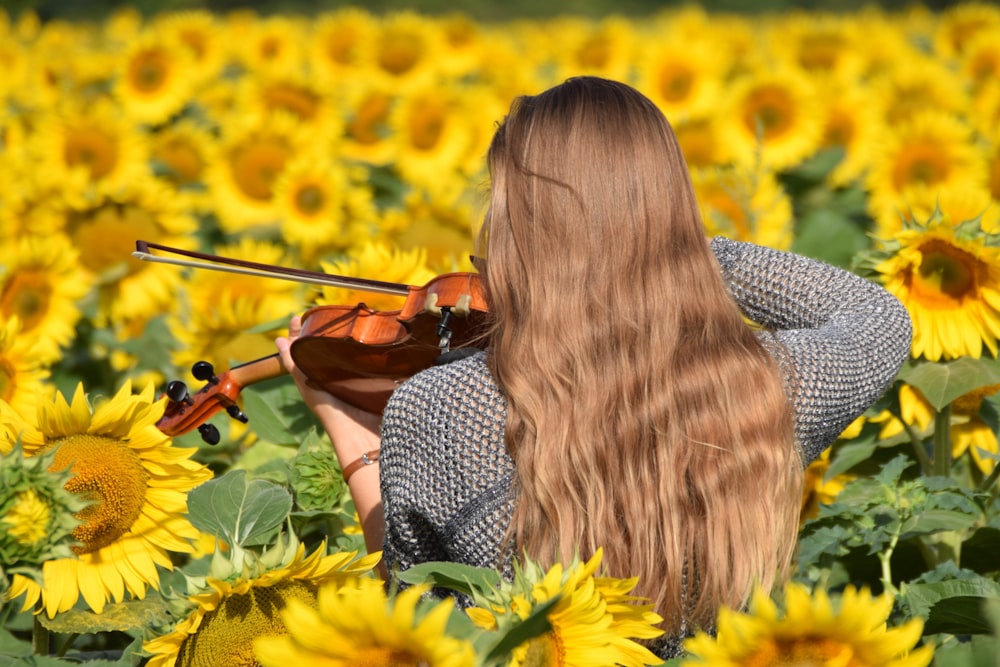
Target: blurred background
478,9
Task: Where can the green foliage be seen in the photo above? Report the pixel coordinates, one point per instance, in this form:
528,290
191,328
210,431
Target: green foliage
240,511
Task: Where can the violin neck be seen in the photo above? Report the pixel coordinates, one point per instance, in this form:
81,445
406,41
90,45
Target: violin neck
257,370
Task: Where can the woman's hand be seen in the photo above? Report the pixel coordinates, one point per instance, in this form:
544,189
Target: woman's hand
353,432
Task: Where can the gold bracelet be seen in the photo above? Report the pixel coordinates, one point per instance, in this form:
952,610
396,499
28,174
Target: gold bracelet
366,459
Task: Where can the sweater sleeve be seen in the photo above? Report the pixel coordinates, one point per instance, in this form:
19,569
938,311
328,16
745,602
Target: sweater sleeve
839,339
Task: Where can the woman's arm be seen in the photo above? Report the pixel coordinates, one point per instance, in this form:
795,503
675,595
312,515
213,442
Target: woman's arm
840,339
353,433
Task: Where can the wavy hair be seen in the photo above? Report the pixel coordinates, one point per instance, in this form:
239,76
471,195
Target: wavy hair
644,416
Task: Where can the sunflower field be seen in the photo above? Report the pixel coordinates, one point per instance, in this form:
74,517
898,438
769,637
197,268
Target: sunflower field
353,143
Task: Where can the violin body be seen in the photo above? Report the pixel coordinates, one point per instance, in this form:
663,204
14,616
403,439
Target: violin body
358,354
361,355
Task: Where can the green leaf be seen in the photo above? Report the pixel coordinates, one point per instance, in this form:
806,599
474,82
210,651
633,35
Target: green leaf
829,236
535,625
848,455
276,411
922,598
122,616
459,577
959,615
934,520
943,382
980,651
237,511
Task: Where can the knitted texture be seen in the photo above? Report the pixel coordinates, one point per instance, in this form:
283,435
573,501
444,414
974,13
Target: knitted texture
446,477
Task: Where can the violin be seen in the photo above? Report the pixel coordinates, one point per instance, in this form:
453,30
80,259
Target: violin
358,354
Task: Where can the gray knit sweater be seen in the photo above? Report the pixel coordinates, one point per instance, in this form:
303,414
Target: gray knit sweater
446,475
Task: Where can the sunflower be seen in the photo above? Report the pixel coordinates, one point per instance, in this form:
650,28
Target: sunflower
322,204
340,45
811,631
949,280
823,44
98,142
36,511
433,136
272,45
594,621
957,26
852,124
296,95
701,145
137,482
980,63
226,311
22,376
252,154
41,283
962,201
155,78
199,32
181,153
105,230
368,136
916,86
465,44
744,204
968,431
773,117
376,259
243,597
356,624
817,489
934,150
406,50
602,48
683,78
438,223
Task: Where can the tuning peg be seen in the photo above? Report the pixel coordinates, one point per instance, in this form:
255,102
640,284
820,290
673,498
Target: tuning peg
237,414
209,434
177,392
202,370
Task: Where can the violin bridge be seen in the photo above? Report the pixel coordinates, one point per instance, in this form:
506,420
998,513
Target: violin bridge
463,306
430,304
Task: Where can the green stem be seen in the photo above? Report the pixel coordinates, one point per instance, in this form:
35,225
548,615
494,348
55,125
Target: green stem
67,644
918,447
942,442
39,634
991,480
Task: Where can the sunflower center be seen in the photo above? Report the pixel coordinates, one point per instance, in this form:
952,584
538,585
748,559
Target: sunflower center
340,47
231,628
27,296
148,71
257,165
309,199
676,84
297,100
371,114
400,53
109,474
839,130
946,274
378,656
769,110
594,53
92,148
426,128
182,159
820,52
802,652
107,234
922,163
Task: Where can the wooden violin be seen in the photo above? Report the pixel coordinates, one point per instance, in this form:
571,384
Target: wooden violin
358,354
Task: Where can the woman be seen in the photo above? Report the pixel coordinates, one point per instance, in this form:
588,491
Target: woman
623,401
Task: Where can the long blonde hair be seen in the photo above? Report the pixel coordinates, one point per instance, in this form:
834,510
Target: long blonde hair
644,415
